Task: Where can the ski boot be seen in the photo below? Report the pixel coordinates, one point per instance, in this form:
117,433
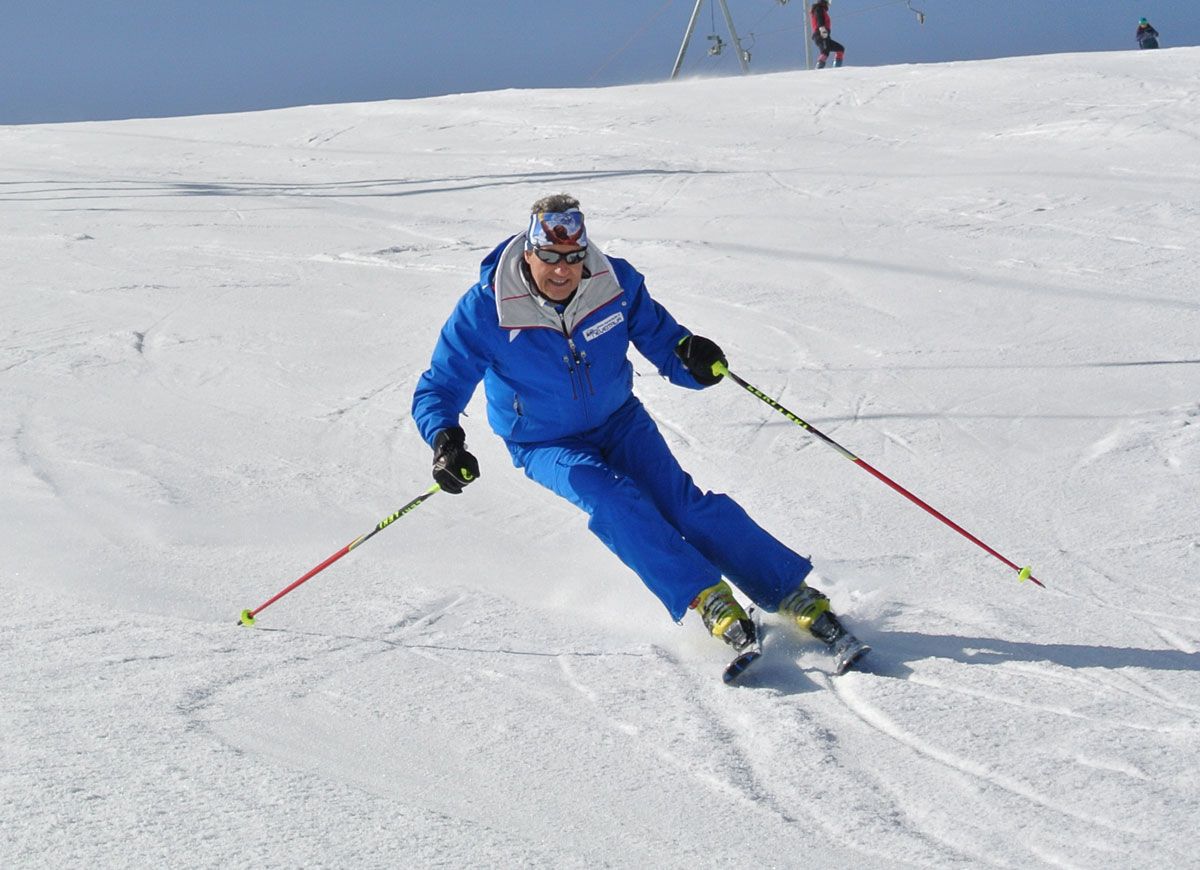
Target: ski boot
726,619
810,609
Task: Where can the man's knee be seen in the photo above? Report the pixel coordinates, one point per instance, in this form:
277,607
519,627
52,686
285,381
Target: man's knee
599,489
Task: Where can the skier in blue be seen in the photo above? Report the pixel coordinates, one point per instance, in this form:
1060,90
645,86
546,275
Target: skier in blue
1146,35
547,328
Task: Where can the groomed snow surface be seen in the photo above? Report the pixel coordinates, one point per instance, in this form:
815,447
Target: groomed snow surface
979,277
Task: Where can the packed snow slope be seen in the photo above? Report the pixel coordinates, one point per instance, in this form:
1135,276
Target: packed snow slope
978,277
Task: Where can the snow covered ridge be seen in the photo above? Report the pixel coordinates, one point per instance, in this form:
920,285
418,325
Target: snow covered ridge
980,277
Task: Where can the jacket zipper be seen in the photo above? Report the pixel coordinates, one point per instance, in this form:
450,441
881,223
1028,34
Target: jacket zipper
571,375
581,363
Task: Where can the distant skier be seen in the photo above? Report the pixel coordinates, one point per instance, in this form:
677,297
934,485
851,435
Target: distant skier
1147,36
822,26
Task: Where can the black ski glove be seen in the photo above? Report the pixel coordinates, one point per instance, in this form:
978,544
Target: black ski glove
699,355
453,466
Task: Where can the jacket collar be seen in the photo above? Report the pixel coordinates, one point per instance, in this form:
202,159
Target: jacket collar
520,306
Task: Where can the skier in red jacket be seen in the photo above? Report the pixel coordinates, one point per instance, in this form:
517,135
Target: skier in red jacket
822,24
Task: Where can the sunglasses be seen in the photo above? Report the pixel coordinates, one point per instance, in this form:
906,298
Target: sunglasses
553,257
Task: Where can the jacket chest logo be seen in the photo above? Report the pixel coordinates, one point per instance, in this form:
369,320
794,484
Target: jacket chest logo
596,330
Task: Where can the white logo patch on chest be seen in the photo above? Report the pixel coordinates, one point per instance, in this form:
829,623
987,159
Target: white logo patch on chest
597,330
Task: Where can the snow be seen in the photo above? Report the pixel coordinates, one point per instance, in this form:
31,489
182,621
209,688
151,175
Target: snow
978,277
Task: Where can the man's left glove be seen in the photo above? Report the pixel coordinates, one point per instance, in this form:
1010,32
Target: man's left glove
453,466
699,355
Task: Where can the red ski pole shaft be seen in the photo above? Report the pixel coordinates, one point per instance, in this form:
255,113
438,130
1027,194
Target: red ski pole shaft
247,617
1022,573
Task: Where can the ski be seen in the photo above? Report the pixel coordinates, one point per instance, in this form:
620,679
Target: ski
738,666
748,654
847,651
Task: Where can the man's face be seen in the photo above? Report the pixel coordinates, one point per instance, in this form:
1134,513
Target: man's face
556,281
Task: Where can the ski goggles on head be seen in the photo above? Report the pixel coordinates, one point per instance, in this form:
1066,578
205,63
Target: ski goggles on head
556,228
552,257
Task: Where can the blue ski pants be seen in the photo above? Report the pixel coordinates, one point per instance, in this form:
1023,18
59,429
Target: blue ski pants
646,509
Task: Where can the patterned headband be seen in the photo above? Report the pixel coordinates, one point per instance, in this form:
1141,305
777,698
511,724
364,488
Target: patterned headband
556,228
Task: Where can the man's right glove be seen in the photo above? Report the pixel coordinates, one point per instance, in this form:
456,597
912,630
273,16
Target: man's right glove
699,355
453,466
824,32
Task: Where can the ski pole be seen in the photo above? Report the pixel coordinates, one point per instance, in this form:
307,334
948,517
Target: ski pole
247,617
1022,573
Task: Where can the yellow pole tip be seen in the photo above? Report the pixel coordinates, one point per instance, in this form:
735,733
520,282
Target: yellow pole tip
247,618
1025,573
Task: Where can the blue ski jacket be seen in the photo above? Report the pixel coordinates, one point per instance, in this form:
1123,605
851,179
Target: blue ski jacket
549,370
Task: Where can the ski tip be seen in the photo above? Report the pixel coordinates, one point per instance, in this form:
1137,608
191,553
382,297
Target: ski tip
852,658
247,618
738,666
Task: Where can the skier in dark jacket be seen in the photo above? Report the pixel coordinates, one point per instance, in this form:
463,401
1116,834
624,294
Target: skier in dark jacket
1147,36
822,26
547,328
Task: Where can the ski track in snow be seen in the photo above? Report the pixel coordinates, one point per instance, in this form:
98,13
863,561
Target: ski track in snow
876,719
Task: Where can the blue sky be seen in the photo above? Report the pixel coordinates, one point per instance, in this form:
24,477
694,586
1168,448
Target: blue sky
71,60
